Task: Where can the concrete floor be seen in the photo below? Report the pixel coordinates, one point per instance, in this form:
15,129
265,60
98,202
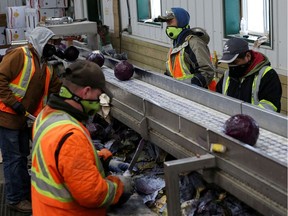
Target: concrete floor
4,210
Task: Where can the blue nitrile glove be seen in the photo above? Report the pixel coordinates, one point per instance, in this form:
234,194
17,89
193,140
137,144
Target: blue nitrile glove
117,166
19,108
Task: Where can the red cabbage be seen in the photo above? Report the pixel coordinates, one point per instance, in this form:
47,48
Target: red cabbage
243,128
71,53
97,57
123,70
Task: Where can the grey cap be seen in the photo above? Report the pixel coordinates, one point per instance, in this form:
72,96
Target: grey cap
232,48
85,73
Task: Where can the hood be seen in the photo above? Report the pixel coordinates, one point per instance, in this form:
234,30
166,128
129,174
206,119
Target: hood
258,61
182,16
39,37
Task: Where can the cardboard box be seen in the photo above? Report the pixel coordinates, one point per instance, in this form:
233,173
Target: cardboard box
15,17
2,36
53,12
30,3
32,17
62,3
45,4
15,34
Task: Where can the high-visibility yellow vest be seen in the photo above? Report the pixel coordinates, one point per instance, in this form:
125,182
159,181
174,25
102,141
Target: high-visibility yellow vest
255,89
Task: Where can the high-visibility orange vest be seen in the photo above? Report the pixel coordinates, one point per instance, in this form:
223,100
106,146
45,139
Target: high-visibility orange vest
50,194
178,69
20,84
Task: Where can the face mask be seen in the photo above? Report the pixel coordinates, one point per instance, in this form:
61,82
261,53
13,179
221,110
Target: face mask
48,51
90,107
173,32
238,71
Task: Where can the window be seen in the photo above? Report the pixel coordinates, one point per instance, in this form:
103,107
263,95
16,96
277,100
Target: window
257,16
147,10
257,20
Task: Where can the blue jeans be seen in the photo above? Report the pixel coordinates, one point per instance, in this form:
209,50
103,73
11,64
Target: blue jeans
14,146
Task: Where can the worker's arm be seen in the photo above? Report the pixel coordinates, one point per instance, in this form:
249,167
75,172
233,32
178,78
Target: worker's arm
270,90
78,168
201,51
10,67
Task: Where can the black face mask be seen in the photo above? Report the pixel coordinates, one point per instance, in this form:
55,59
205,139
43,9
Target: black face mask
48,51
238,71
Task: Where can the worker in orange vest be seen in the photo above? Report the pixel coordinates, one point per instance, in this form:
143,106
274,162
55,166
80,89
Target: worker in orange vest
189,58
25,83
67,174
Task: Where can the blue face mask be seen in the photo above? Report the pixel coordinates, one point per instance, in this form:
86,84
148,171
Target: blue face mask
90,107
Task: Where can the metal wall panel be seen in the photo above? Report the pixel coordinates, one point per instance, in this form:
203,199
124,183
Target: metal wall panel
209,15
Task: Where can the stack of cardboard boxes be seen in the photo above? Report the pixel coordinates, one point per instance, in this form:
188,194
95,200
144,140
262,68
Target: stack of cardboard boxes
16,26
21,20
38,10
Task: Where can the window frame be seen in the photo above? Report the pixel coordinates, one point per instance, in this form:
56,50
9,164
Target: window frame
233,12
146,18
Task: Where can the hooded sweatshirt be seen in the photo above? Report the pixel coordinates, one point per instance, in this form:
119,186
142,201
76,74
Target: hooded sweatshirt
12,65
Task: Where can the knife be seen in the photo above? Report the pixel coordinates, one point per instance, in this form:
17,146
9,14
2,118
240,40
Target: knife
135,158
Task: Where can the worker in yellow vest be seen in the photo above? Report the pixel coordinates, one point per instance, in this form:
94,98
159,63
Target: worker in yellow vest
25,83
189,58
250,77
67,174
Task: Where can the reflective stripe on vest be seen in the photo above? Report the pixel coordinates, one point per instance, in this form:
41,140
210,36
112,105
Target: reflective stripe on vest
42,180
49,75
20,84
255,89
178,69
226,81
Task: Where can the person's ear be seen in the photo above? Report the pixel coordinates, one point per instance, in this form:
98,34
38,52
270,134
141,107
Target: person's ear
85,92
248,55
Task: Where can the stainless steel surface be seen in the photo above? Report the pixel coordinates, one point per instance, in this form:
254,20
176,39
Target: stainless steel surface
172,169
184,121
78,28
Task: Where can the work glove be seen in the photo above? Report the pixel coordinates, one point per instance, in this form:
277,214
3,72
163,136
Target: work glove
199,80
117,166
128,189
19,108
104,154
